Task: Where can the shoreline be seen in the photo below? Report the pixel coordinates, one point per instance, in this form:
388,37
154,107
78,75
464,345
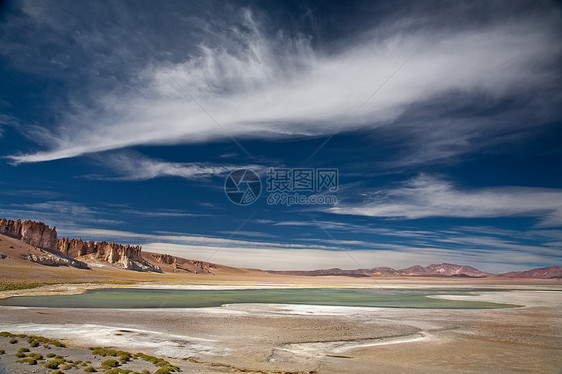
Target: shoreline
384,283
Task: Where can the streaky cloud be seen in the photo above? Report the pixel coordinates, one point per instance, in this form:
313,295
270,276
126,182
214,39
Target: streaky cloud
259,84
426,196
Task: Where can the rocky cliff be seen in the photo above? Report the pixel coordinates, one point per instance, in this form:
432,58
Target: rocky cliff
34,233
179,264
124,256
67,251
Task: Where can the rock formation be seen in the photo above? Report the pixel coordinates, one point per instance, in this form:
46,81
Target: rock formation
124,256
52,260
34,233
178,264
66,251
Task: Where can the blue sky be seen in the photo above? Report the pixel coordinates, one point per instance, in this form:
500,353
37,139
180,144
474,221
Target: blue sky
121,121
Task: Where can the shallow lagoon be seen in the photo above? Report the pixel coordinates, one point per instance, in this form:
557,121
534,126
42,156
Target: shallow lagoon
134,298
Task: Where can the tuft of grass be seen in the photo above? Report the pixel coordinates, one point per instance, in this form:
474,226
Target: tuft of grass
104,352
2,351
50,355
54,363
89,369
13,341
110,363
117,371
35,341
23,349
20,354
36,356
28,360
167,369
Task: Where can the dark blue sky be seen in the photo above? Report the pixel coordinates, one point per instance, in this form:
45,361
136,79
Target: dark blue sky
121,121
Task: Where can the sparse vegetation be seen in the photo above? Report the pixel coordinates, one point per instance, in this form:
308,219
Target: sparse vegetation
36,356
156,361
35,341
54,364
28,360
2,351
11,286
104,352
111,363
117,371
167,369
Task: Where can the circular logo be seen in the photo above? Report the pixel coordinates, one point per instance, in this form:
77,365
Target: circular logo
242,186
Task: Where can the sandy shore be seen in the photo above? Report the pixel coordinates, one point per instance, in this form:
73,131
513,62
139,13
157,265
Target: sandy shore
321,338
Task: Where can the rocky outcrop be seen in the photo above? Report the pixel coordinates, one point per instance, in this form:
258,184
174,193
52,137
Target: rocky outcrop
10,228
179,264
69,252
164,259
124,256
34,233
53,260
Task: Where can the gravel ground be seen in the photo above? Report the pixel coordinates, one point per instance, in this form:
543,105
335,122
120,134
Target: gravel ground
275,338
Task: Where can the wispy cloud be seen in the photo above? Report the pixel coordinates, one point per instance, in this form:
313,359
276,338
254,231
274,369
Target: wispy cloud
426,196
58,212
259,84
133,166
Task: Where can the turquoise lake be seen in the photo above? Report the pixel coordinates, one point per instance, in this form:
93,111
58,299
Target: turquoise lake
131,298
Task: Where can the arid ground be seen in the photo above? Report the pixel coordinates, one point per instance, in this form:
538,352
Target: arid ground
266,338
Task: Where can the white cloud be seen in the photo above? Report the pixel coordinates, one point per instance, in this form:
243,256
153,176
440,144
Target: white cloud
261,85
425,196
134,166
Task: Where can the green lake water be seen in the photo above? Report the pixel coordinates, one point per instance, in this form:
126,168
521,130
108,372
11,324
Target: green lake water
130,298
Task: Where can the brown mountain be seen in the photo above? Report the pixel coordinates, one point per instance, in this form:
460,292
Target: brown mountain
440,270
539,273
446,270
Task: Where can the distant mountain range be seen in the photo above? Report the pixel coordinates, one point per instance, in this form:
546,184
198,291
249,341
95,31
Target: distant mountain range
42,246
433,270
